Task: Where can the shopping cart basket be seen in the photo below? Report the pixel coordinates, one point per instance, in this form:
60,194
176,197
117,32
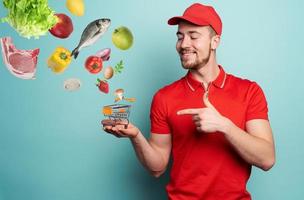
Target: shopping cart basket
117,114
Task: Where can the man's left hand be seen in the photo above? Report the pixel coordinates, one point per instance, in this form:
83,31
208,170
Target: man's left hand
207,119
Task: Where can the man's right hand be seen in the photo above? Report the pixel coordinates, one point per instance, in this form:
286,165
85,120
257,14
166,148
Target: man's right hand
119,130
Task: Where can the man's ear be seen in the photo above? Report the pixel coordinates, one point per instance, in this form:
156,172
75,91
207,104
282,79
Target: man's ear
215,42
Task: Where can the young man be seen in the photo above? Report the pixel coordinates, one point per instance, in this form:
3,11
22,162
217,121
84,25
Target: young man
214,124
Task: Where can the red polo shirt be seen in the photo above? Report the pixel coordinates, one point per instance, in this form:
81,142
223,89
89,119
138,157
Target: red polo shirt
205,166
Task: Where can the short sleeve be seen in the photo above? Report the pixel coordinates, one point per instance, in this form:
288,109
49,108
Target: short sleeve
158,115
257,105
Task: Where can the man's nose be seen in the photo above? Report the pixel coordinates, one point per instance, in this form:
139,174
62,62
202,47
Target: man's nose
185,42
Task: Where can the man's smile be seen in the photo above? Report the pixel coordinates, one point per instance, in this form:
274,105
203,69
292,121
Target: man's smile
187,54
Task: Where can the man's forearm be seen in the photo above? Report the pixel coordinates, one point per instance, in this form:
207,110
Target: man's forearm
147,155
254,150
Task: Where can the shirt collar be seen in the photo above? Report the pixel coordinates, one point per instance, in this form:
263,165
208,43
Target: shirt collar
218,82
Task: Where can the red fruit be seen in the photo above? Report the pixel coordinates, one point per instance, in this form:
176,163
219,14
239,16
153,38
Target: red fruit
93,64
63,28
103,86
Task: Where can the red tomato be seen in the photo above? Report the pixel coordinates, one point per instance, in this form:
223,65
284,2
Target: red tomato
93,64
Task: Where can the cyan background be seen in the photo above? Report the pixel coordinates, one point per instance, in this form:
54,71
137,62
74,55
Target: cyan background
52,146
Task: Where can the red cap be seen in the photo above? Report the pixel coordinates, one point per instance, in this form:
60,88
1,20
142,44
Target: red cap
200,15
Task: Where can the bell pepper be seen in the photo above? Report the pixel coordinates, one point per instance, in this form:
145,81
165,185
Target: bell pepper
59,60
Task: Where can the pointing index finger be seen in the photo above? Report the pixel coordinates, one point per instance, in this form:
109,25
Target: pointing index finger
192,111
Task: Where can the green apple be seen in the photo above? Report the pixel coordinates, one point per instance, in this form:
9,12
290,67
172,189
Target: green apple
122,38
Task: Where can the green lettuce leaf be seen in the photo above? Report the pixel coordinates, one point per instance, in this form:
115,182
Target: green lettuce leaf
30,18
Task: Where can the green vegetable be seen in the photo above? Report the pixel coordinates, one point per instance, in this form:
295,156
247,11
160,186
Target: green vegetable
118,67
30,18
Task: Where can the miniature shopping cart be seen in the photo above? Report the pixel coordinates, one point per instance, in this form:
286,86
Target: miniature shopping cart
118,114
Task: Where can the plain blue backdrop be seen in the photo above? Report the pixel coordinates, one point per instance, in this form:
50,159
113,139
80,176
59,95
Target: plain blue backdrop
51,143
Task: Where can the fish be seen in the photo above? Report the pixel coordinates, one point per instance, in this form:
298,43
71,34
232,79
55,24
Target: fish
91,34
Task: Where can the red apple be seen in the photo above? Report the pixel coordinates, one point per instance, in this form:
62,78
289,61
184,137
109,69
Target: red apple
63,28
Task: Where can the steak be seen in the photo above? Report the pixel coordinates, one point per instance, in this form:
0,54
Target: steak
21,63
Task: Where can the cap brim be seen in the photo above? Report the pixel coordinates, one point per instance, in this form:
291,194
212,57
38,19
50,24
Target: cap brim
178,19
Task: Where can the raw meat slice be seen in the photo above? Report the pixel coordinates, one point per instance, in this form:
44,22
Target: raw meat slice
21,63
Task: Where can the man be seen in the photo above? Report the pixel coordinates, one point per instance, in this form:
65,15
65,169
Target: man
215,124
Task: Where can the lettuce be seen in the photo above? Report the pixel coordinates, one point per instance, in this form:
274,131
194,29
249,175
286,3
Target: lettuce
30,18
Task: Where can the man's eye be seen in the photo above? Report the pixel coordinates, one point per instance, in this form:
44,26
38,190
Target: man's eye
194,37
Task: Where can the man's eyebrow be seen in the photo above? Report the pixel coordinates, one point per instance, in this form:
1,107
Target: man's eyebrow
192,32
189,32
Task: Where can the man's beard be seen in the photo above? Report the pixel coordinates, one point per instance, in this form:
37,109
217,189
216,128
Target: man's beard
197,63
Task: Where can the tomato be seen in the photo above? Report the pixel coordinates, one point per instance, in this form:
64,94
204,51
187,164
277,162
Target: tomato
93,64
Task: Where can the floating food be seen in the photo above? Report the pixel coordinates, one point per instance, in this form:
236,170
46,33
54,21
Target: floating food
72,84
108,72
59,60
119,93
91,34
21,63
76,7
122,38
93,64
103,86
104,54
63,28
30,18
118,67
